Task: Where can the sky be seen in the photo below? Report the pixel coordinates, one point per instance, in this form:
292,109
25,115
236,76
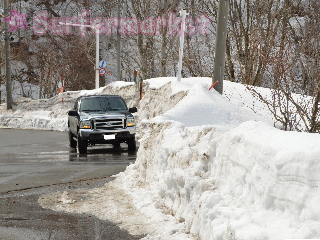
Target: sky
209,166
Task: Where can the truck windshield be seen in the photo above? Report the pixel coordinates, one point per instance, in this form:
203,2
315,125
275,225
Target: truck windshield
102,104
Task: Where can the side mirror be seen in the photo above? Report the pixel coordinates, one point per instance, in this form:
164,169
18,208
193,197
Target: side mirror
133,110
73,113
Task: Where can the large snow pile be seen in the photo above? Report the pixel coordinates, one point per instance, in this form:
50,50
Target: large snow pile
253,182
208,167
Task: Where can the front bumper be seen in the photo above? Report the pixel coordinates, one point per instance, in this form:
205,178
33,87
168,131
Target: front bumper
98,135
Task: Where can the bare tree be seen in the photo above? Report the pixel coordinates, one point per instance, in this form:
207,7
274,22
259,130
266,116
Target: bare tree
294,68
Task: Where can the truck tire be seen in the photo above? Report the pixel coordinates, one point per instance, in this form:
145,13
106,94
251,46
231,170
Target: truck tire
82,145
132,144
72,142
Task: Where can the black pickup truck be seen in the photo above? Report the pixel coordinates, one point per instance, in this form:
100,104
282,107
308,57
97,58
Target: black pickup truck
101,119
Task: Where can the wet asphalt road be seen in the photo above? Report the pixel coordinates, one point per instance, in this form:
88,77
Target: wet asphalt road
36,162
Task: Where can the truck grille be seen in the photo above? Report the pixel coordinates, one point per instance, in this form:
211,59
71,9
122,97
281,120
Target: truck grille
108,123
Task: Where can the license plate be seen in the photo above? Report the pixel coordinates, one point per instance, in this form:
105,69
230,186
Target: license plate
108,137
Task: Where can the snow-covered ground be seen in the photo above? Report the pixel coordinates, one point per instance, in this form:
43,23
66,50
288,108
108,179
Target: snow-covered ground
208,166
20,89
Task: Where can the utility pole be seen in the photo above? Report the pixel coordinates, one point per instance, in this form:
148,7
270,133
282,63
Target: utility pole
118,43
97,58
7,52
183,14
220,50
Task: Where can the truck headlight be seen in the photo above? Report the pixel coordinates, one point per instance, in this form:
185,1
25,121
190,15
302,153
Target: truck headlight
85,124
131,122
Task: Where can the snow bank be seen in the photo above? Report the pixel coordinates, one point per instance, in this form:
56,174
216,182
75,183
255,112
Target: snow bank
45,114
251,182
267,184
208,167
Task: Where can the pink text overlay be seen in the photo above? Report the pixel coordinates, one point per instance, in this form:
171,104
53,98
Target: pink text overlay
169,25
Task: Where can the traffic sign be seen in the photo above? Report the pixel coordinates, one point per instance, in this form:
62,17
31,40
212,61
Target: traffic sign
102,71
102,64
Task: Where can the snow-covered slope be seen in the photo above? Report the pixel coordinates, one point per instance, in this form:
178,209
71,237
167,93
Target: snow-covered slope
208,167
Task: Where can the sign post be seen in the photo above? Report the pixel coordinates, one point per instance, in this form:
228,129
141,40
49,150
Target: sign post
97,60
183,14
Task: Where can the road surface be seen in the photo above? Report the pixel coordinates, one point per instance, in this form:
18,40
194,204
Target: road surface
34,162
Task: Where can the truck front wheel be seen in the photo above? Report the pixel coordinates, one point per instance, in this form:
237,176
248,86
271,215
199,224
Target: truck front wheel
72,142
132,144
82,145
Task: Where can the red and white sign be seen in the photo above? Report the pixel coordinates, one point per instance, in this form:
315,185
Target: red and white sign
102,71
